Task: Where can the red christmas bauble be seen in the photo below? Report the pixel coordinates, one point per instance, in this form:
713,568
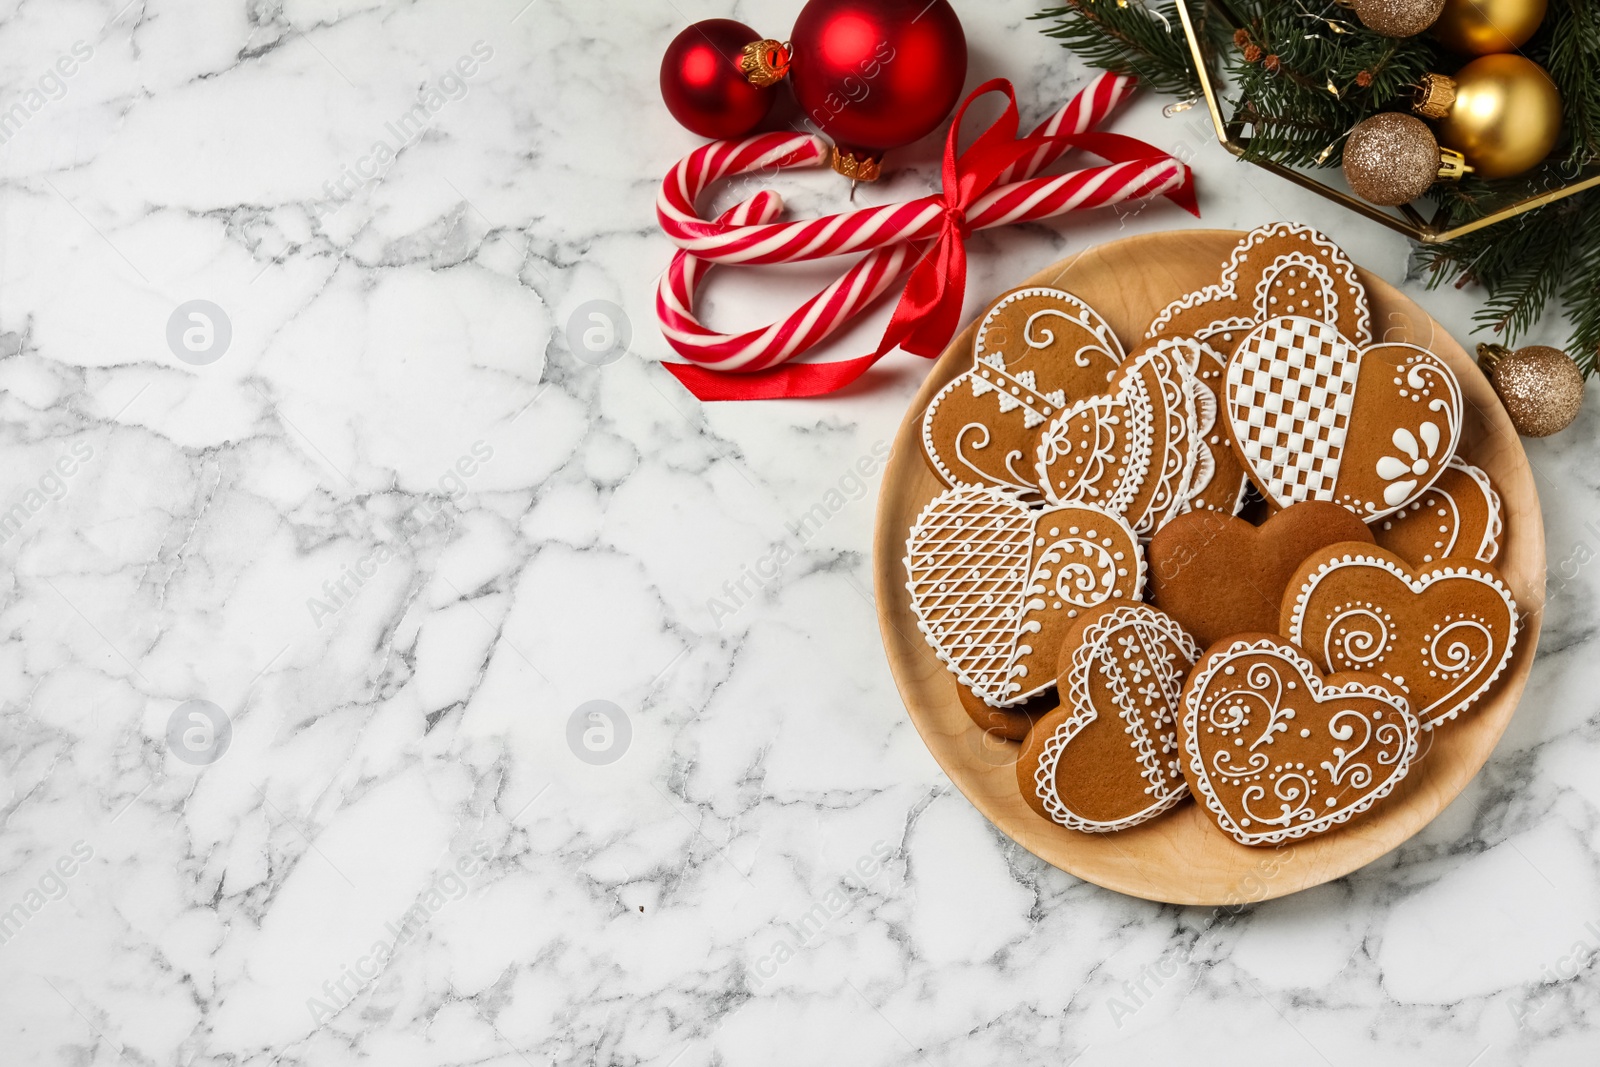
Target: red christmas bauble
703,84
877,74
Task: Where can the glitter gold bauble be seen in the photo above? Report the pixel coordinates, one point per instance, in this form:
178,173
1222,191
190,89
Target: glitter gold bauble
1397,18
1505,117
1484,27
1391,159
1541,387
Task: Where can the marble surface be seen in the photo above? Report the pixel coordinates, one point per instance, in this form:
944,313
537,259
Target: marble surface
302,633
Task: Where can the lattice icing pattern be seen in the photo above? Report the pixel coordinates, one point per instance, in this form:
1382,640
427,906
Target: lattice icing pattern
995,585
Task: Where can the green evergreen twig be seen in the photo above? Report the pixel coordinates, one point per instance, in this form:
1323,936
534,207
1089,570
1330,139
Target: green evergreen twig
1305,72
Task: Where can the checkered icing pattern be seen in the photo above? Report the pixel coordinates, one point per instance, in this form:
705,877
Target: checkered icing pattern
1290,388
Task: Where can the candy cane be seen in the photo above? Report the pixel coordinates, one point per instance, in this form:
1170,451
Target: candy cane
852,231
746,234
808,324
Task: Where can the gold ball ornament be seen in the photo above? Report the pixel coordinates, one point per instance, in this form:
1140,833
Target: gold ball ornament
1503,113
1484,27
1391,159
1397,18
1541,387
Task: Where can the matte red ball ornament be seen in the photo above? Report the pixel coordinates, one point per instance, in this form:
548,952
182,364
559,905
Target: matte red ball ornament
718,77
876,74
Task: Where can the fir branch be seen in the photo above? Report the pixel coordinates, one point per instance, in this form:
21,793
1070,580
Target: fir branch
1581,294
1305,72
1548,255
1129,39
1573,60
1308,61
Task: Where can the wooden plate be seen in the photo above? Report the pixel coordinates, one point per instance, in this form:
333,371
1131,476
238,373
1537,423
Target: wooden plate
1181,857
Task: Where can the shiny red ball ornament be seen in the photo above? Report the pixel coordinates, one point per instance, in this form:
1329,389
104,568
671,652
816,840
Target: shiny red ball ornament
718,77
876,74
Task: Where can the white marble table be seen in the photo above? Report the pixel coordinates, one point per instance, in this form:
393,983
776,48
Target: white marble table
392,536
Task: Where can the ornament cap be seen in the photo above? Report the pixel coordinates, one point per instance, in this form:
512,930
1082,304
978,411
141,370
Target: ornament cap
1490,354
764,62
1435,96
1452,166
858,168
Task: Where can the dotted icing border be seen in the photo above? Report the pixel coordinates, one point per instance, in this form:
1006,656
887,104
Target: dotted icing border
1489,547
1095,637
1228,286
1200,781
1431,573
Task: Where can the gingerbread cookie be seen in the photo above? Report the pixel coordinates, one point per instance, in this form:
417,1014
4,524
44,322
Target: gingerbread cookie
1220,481
1442,631
1131,452
1316,416
1281,269
995,585
1036,351
1459,515
1218,575
1277,751
1107,759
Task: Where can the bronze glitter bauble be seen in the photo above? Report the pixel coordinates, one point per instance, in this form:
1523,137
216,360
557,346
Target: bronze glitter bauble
1484,27
1391,159
1506,115
1541,387
1398,18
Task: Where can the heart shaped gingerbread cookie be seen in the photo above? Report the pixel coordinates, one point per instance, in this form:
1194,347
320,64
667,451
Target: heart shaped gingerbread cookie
1442,632
1277,751
1218,575
1107,759
995,585
1281,269
1132,452
1036,351
1459,515
1316,416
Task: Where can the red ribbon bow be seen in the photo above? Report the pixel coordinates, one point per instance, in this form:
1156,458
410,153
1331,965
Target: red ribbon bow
929,312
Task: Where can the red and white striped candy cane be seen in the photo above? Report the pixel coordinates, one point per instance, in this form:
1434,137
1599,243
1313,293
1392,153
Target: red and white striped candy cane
747,235
804,327
851,231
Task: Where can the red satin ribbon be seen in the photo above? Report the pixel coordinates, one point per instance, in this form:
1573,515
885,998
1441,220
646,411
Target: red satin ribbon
929,312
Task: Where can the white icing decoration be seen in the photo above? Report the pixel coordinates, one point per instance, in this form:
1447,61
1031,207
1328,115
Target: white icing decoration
1453,656
1291,391
1343,283
984,570
1389,467
1298,804
1013,392
1144,632
1448,531
1489,546
1122,431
